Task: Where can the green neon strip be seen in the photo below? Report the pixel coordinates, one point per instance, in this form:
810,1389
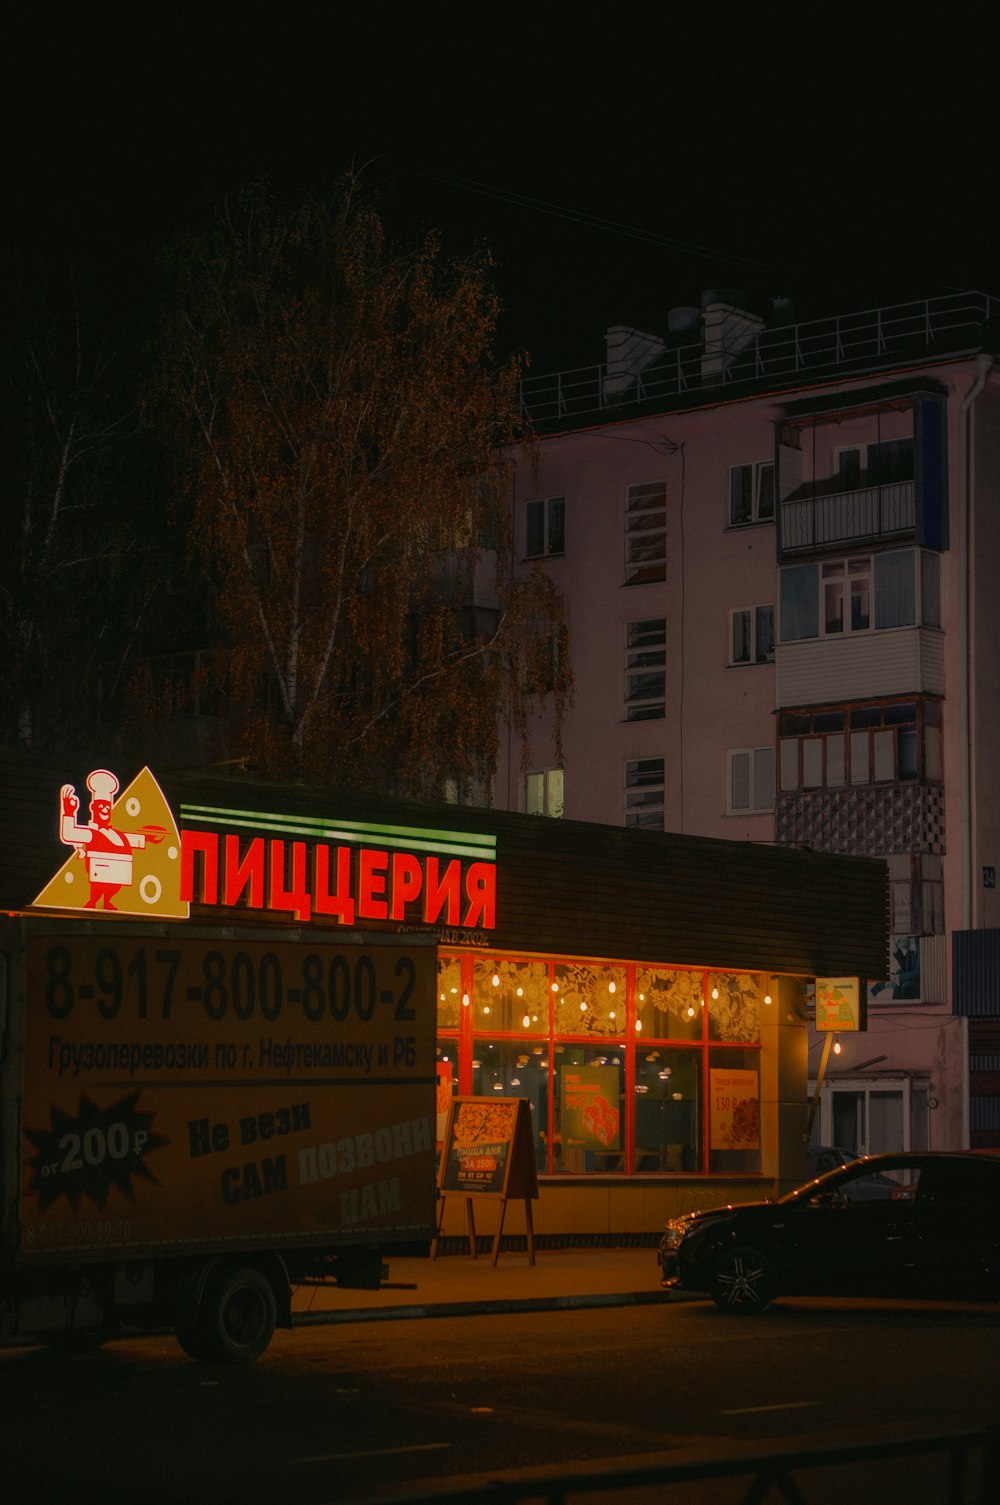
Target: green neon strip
414,838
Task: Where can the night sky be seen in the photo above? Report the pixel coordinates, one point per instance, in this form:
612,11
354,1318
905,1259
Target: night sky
617,165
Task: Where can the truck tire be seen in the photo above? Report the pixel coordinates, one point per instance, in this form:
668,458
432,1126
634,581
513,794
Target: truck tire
236,1318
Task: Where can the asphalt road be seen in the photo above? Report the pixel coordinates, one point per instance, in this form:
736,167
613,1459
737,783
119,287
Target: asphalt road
357,1412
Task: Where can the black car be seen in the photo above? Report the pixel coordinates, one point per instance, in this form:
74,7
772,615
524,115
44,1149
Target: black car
918,1225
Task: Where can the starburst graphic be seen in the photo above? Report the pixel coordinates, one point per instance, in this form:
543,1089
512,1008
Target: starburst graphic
86,1155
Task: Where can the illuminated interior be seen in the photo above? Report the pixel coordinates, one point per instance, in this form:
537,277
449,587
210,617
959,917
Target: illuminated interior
628,1069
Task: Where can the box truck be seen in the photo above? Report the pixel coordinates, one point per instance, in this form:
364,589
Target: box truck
194,1120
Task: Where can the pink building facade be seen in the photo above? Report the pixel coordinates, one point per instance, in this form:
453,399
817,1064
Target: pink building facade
778,545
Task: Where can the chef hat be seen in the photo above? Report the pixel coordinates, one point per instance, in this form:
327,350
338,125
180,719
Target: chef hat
102,784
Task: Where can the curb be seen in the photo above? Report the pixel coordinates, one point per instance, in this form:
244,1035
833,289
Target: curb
487,1308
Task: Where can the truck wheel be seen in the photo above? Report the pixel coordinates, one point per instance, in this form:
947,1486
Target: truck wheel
237,1318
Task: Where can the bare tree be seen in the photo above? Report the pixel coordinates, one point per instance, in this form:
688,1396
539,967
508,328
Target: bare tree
340,426
70,605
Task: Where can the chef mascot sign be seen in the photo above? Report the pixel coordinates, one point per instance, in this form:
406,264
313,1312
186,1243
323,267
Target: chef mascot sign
126,858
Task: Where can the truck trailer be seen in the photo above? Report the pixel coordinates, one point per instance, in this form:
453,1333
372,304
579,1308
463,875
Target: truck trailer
197,1119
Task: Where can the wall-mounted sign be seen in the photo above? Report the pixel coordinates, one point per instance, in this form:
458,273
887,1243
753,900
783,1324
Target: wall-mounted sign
838,1003
126,858
132,857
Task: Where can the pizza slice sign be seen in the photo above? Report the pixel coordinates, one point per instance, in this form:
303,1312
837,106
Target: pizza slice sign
126,859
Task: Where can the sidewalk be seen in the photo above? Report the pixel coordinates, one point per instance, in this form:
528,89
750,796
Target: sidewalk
456,1285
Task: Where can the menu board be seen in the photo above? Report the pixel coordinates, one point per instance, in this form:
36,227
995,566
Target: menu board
488,1149
734,1116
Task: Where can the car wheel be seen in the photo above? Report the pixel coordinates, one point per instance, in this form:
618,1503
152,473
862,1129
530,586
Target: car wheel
745,1281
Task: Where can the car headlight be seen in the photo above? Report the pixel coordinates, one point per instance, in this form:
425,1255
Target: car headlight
673,1233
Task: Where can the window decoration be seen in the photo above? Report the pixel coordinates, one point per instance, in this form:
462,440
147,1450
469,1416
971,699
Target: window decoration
589,1000
449,994
669,1003
511,995
733,1004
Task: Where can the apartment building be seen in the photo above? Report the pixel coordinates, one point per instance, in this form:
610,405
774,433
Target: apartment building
779,546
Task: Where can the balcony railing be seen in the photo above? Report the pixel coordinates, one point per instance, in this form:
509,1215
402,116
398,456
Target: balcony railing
864,340
843,517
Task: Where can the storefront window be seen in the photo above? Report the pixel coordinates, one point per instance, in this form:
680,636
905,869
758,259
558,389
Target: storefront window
588,1118
667,1110
668,1003
511,996
734,1007
449,997
447,1084
505,1068
627,1069
588,1000
733,1110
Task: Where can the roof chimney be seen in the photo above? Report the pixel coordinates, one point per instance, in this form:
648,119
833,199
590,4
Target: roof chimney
728,330
629,352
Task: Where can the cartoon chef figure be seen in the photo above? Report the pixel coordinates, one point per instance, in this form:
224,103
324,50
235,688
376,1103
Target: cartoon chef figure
108,852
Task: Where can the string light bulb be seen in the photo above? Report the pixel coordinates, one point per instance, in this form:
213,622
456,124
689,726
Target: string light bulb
837,1047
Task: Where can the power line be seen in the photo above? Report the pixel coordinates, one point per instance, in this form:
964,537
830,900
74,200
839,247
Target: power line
592,221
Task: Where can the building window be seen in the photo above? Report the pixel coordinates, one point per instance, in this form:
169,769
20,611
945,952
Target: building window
542,792
646,533
544,527
751,780
615,1060
645,669
895,742
898,588
887,462
751,635
751,494
644,785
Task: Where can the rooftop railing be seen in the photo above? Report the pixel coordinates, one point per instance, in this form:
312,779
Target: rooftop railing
868,339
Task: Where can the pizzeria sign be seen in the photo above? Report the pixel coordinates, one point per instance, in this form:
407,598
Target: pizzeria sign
132,856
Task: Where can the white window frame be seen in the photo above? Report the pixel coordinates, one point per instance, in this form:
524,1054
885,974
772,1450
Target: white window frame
646,669
646,533
758,469
547,503
926,597
645,786
913,1100
758,763
543,792
751,615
